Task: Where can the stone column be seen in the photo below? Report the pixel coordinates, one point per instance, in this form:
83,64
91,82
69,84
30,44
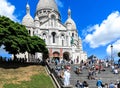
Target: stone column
50,53
61,54
73,56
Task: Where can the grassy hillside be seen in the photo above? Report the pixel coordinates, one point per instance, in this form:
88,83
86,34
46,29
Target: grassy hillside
33,76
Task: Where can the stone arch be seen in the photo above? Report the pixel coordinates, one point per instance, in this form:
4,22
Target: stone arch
62,35
56,55
44,32
29,32
44,36
66,56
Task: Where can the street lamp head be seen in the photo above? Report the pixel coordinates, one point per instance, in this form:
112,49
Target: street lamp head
111,45
112,59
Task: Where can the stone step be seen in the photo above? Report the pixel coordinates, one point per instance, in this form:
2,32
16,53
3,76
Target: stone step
106,76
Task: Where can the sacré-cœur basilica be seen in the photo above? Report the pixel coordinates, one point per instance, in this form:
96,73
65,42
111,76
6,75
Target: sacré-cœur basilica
62,39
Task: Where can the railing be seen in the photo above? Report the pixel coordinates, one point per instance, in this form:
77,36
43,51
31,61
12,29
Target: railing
55,77
58,81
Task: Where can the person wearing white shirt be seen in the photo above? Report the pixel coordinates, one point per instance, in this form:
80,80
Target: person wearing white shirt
115,71
67,77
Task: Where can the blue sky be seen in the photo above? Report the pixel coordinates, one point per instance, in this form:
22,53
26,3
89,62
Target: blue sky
98,21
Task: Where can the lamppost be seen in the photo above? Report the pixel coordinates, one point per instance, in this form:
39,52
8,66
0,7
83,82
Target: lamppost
112,60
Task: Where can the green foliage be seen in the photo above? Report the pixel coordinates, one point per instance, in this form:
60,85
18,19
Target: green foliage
36,44
37,81
12,36
16,39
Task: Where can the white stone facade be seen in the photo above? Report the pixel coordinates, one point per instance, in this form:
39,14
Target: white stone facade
62,40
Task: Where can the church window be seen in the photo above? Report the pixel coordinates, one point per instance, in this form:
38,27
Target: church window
53,36
66,40
62,36
44,37
44,34
48,11
40,12
62,42
53,17
29,32
72,34
44,11
40,22
33,32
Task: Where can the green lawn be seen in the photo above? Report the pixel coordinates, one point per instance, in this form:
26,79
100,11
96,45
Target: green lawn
33,76
37,81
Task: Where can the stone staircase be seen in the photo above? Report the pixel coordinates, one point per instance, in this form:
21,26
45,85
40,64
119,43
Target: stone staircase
107,76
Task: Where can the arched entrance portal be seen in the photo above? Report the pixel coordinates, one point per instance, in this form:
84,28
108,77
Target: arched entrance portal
66,56
56,55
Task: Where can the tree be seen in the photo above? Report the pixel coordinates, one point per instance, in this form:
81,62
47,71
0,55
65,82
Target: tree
16,39
118,54
13,36
36,44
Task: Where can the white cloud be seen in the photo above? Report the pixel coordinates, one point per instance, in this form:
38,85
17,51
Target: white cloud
59,3
7,9
104,33
115,50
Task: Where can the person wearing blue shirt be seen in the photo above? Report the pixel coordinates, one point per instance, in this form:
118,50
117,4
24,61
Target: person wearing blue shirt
111,85
99,83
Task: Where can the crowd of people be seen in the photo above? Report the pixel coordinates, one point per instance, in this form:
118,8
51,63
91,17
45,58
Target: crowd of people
19,60
100,84
94,67
83,84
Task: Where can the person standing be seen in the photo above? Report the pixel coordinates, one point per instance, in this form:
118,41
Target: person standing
67,77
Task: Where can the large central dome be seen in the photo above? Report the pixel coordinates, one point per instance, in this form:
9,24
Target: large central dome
46,4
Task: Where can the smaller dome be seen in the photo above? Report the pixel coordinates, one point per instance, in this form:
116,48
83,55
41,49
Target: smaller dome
27,20
70,21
